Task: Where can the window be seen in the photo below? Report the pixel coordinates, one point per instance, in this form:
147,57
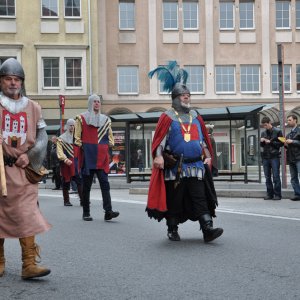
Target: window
190,15
226,15
62,71
283,14
170,15
297,14
72,8
247,15
298,77
7,8
225,79
51,72
49,8
250,79
128,80
73,72
286,78
195,80
126,15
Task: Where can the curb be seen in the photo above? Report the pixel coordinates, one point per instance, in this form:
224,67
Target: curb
228,193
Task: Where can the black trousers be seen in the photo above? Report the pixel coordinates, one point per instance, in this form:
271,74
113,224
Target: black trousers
56,176
66,185
186,201
104,186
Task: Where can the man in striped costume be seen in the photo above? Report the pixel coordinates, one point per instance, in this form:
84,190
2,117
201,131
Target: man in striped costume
93,134
70,163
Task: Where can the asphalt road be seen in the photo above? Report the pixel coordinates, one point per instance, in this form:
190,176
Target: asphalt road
131,258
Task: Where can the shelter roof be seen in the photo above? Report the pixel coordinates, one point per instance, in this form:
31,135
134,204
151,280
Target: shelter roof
208,114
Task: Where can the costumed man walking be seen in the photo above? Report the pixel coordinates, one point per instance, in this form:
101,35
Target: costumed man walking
93,134
69,156
24,141
181,185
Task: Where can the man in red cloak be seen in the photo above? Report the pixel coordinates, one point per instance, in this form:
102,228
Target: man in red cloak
181,185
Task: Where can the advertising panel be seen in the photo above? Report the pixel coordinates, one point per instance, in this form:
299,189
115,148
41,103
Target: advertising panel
117,154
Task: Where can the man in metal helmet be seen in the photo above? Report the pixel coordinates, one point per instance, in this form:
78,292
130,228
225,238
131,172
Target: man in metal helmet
24,142
181,186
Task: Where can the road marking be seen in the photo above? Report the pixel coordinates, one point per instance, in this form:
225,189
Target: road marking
222,210
236,212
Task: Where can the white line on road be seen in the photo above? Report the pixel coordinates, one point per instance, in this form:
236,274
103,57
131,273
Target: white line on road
228,211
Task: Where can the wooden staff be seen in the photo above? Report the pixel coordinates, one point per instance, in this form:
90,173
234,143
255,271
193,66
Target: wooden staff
2,174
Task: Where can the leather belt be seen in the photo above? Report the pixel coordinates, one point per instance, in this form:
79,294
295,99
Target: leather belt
185,160
9,160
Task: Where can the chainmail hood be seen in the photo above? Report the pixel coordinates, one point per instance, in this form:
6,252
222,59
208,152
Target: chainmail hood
68,136
91,118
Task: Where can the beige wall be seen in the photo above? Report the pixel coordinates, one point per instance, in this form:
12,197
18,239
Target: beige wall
29,38
147,47
209,51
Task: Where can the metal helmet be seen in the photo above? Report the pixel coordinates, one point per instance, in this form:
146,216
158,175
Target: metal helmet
12,67
179,89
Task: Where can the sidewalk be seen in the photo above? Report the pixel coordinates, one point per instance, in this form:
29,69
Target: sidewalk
229,189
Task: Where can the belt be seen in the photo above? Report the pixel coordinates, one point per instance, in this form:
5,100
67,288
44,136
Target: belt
191,160
9,160
185,160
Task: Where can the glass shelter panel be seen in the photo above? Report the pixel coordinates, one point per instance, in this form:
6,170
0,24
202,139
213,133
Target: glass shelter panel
236,148
140,146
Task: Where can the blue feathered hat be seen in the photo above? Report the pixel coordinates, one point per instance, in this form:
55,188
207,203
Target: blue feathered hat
172,77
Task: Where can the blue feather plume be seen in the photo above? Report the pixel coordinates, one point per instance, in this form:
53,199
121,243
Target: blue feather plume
169,75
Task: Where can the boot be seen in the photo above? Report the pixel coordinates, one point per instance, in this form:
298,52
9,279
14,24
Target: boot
86,205
30,250
173,229
209,233
173,233
110,215
86,217
79,189
66,198
2,258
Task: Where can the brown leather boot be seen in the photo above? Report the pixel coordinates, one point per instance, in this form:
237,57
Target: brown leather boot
2,258
66,198
30,251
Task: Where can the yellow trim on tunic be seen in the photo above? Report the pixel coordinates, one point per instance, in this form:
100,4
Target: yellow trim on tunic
59,150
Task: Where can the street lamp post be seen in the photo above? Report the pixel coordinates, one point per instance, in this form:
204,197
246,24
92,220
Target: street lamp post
280,57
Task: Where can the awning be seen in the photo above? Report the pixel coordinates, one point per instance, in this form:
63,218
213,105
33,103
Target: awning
271,111
208,114
294,111
229,112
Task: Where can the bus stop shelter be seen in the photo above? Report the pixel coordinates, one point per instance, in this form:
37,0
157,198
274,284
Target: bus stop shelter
236,131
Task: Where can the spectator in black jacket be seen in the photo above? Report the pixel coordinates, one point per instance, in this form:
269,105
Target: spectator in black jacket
270,153
292,145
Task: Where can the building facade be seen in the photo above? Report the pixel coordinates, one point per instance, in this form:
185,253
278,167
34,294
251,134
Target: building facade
54,41
229,47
